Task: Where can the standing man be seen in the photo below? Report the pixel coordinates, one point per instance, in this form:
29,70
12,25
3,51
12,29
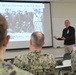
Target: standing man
7,68
35,61
68,36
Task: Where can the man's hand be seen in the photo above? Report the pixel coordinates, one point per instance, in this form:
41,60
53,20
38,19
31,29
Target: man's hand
55,37
63,38
59,38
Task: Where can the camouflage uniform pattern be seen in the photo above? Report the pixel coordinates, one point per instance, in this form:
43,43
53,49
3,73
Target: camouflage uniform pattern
36,63
73,61
9,69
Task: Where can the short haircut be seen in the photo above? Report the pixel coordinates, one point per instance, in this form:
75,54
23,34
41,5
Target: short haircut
38,39
67,21
3,29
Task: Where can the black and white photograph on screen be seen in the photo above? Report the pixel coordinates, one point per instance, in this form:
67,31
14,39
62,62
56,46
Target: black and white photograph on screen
22,21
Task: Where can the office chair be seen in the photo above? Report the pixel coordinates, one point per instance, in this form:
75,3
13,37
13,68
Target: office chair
67,56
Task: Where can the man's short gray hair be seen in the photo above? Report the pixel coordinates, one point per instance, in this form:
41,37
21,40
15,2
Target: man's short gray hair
38,39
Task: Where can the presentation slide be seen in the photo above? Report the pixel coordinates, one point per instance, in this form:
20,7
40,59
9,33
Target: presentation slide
24,19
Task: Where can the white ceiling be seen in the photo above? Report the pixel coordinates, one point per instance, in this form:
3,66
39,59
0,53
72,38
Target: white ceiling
49,0
57,0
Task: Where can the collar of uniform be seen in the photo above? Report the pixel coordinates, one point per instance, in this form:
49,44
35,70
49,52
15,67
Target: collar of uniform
2,62
36,51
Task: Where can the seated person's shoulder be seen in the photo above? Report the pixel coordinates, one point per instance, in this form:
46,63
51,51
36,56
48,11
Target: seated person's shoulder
8,69
3,72
2,68
73,57
49,58
48,55
73,54
20,58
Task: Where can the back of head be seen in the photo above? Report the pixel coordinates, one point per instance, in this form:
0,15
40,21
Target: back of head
3,29
38,39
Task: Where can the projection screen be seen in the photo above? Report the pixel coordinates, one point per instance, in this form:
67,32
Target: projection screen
23,19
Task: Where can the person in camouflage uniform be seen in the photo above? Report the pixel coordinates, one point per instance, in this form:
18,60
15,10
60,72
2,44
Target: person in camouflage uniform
7,68
73,62
35,61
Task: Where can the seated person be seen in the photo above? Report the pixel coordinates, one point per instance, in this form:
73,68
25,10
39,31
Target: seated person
35,61
5,67
73,62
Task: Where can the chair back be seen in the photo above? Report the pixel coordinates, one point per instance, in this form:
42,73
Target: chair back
67,56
